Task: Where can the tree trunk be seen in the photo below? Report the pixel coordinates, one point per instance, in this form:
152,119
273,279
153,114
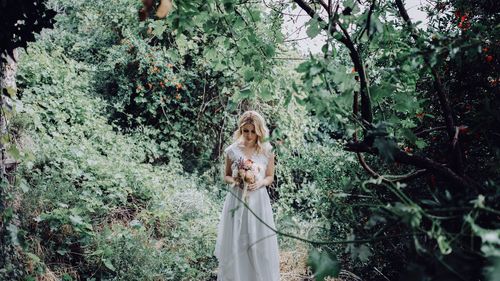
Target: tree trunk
10,261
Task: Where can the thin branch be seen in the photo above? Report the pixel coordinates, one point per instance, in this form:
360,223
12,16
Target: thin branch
293,40
324,5
423,132
316,242
279,11
310,11
289,58
368,20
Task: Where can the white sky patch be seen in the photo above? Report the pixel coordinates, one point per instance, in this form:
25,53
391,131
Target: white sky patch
295,30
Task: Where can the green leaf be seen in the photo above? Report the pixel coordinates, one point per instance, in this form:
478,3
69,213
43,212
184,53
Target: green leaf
266,94
159,27
23,184
13,234
14,152
8,214
386,148
33,257
210,54
420,143
135,224
5,139
444,245
269,50
248,74
183,44
315,70
323,265
244,93
109,265
409,135
313,28
300,100
379,129
11,92
302,68
255,14
490,238
76,220
324,49
409,214
288,98
379,92
363,253
62,251
405,103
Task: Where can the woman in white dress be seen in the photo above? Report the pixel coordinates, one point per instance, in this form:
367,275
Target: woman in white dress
247,249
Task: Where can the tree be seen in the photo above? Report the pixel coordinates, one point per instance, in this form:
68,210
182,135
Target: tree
20,21
402,109
406,102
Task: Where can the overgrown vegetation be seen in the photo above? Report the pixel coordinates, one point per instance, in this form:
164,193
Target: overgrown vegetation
386,143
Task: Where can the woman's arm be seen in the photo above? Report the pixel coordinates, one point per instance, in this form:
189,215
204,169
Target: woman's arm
269,177
228,173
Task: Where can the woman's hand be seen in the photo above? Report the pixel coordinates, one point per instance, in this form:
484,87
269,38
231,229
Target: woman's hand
232,181
256,185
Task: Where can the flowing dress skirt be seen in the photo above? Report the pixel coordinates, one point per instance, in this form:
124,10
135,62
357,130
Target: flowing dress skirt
246,248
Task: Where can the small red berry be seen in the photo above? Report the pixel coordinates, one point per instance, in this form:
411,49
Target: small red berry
433,181
463,129
489,58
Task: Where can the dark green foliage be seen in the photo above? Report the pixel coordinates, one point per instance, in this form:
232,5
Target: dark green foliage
21,19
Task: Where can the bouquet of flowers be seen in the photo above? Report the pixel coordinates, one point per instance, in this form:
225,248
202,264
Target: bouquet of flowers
246,175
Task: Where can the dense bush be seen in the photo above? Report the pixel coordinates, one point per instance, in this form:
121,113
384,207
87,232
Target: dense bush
92,205
160,79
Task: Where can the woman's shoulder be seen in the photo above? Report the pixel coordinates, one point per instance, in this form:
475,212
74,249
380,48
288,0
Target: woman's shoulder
267,149
229,150
231,146
267,146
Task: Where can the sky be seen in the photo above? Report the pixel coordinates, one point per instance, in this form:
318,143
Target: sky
296,32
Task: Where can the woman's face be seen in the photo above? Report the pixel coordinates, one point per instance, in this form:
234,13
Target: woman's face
248,133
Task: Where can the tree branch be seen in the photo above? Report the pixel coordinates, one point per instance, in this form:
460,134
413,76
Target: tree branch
366,111
417,161
310,11
324,5
366,107
368,20
456,150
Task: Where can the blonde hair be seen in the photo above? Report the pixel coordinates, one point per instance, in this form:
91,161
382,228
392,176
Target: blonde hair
261,130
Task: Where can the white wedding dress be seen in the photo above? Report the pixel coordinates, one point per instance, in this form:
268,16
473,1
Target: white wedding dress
247,249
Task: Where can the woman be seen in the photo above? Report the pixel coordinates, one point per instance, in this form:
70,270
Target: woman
246,248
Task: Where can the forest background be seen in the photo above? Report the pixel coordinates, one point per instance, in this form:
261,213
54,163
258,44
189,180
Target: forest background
115,118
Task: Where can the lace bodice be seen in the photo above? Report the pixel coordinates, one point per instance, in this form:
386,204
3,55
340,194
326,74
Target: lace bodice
260,160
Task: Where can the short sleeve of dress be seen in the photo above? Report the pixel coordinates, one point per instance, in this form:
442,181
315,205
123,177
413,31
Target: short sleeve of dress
268,148
229,152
